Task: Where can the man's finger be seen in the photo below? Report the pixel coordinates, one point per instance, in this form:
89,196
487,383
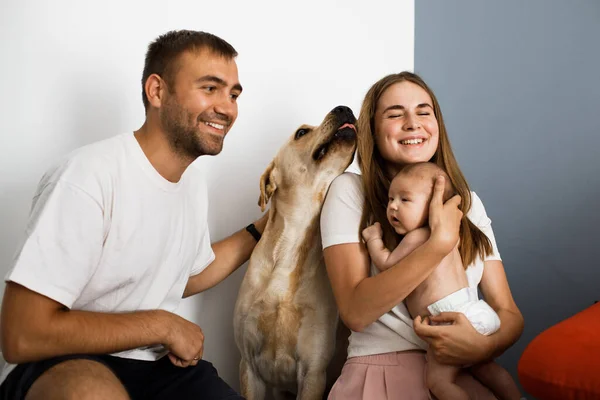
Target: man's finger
176,361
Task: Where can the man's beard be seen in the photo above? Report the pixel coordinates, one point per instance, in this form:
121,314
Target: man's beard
183,132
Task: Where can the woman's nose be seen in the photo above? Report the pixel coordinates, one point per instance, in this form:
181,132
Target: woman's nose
411,122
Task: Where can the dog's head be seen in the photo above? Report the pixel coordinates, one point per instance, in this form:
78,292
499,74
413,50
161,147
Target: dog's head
312,157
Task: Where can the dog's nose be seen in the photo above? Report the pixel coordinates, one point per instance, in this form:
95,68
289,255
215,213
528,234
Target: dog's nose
341,110
344,112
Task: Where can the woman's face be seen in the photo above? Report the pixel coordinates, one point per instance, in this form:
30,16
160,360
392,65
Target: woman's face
406,130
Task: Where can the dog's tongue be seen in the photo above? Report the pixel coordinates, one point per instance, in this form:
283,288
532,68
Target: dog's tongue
347,125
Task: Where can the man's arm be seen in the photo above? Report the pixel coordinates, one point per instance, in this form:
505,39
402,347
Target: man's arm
35,327
230,254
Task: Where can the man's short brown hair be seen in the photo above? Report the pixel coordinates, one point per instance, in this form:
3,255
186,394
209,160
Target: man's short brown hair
162,54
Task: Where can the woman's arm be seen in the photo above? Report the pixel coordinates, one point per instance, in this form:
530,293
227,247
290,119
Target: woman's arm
362,299
497,294
459,343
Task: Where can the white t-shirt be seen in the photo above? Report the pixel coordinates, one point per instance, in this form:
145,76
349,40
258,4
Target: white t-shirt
340,223
108,233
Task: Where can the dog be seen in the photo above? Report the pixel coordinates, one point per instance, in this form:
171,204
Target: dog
285,316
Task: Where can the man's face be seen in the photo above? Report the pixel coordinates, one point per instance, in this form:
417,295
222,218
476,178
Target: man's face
200,105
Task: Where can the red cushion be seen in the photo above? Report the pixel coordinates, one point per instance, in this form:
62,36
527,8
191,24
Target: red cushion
563,362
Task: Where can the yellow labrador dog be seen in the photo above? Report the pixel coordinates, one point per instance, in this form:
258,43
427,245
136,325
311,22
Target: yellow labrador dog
285,317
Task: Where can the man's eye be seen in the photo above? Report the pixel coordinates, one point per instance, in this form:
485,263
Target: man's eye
300,133
234,96
210,89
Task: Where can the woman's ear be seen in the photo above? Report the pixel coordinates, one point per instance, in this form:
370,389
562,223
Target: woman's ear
268,185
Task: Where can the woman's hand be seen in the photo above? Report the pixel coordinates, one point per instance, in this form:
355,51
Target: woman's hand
456,344
444,218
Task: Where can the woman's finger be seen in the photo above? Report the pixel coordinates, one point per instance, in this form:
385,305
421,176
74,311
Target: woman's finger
438,191
446,317
424,330
454,201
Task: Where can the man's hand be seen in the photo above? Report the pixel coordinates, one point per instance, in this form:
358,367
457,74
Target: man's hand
185,342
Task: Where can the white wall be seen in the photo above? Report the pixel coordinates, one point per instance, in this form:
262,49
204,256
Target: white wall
70,75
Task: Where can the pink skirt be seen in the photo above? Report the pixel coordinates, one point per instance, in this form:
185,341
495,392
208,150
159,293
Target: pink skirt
397,376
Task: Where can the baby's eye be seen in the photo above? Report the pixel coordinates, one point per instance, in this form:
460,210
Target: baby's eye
404,200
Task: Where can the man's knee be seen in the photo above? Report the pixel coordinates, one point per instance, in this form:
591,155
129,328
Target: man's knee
78,379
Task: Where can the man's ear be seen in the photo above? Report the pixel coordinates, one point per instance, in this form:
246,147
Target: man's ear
154,88
267,185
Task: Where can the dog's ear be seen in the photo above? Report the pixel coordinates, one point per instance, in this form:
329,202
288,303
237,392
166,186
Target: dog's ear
267,185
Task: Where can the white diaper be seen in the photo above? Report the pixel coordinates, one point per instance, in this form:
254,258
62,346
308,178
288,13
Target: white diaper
483,317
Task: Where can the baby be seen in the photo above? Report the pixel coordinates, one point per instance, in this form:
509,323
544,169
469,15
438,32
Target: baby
446,288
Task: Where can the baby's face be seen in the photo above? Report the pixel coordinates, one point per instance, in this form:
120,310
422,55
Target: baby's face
408,204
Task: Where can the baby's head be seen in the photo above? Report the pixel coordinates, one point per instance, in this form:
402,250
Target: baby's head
410,194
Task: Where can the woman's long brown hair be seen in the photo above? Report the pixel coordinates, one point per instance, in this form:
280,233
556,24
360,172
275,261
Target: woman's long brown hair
376,182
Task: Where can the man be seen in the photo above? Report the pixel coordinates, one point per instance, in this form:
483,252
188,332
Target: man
117,235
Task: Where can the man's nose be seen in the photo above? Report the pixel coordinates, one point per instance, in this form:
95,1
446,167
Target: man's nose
226,106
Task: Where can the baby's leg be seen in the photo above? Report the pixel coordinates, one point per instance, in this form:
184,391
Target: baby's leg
497,379
441,379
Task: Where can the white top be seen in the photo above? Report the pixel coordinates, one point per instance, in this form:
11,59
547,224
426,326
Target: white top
108,233
340,223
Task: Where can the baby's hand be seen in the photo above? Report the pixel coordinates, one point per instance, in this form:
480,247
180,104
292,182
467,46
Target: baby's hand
372,232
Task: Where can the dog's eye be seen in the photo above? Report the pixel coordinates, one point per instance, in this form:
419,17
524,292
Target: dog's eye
300,133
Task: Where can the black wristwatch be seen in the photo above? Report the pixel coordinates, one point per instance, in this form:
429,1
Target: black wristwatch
254,232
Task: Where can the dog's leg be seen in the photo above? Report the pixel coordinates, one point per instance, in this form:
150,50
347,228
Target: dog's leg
282,395
251,386
311,383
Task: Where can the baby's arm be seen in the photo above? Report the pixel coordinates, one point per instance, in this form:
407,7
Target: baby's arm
381,256
373,237
409,243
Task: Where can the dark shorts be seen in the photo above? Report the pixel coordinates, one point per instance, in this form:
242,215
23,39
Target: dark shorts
142,379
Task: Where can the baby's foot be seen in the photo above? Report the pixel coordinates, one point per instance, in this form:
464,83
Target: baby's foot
372,232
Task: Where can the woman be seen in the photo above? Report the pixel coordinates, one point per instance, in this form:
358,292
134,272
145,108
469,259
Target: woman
401,123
